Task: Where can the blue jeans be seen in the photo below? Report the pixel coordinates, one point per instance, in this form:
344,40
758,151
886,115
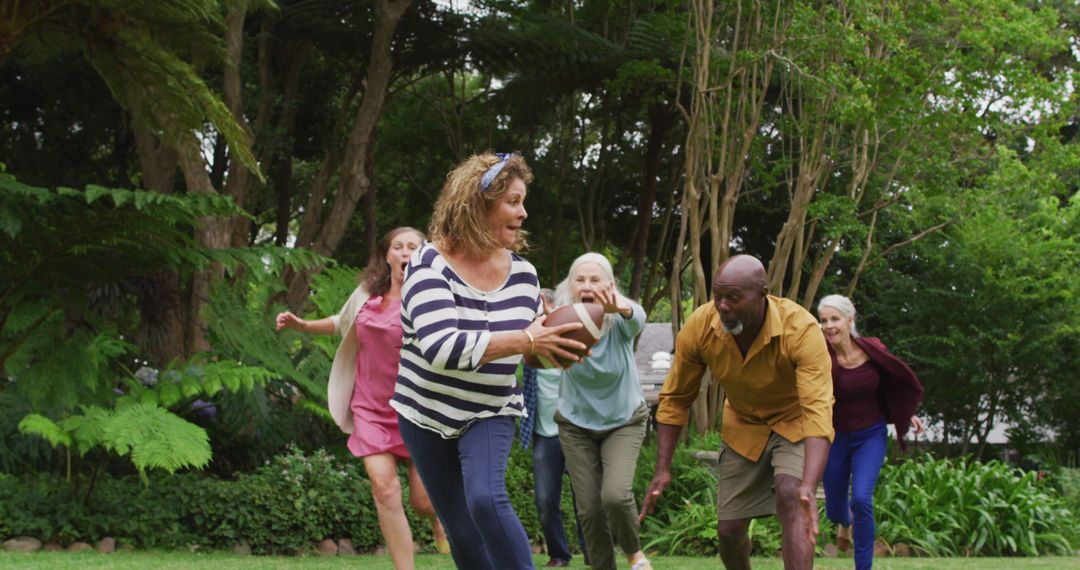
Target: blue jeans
466,480
549,465
855,460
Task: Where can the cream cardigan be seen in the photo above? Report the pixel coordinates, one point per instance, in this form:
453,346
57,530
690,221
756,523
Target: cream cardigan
339,389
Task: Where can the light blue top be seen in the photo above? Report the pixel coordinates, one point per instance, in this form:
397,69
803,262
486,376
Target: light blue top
547,398
604,391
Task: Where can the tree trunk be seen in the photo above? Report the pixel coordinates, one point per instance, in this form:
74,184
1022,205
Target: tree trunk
371,209
236,185
560,190
660,120
283,182
354,179
211,233
650,297
160,332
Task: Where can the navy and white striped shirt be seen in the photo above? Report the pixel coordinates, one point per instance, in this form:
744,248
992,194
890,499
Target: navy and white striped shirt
447,326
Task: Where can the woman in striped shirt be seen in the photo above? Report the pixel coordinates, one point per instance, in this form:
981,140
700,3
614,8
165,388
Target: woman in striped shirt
470,310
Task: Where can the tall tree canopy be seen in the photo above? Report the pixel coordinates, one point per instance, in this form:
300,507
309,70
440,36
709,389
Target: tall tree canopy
888,150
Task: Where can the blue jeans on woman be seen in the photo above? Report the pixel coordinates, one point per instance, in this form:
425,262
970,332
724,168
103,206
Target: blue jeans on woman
549,466
855,460
466,480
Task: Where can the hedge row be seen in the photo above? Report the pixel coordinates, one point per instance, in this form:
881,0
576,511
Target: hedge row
944,507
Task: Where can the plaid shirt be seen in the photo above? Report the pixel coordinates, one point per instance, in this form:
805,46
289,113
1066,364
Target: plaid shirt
528,391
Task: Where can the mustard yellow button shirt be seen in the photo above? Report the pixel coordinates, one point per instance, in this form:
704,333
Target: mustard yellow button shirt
784,384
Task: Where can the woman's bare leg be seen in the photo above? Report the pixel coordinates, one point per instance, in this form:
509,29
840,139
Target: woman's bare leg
386,489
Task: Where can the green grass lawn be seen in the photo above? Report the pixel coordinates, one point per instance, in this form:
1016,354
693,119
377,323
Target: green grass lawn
224,561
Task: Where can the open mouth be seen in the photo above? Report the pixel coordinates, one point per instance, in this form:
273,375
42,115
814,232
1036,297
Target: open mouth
588,299
404,264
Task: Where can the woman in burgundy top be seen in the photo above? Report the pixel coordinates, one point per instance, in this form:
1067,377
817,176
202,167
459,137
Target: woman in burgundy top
872,388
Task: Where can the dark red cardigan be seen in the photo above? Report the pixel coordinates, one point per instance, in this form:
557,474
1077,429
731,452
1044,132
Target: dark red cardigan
900,391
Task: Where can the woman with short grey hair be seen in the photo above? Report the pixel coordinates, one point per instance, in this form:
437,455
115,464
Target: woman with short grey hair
602,417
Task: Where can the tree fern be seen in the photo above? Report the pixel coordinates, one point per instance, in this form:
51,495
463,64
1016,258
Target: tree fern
80,239
137,47
243,333
67,310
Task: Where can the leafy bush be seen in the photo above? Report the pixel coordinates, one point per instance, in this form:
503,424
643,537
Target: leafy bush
299,499
965,508
941,507
285,505
1067,482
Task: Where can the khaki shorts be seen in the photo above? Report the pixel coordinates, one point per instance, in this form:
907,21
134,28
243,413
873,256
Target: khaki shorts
745,488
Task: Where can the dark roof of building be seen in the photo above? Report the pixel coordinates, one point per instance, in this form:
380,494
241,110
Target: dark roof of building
655,337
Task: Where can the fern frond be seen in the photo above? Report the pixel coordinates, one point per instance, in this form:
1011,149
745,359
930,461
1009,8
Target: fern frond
315,408
234,377
58,372
38,424
272,258
240,328
156,438
88,428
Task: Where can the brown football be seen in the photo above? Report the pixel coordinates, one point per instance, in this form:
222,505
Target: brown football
589,314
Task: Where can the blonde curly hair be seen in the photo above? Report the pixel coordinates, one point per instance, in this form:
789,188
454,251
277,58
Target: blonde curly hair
460,218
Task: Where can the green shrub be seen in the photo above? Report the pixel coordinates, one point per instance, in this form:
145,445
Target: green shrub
684,520
288,504
943,507
966,508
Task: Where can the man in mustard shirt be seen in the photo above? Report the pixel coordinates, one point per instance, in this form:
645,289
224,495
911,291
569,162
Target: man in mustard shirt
770,356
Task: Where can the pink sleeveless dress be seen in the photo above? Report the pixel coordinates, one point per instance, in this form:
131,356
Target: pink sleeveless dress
378,351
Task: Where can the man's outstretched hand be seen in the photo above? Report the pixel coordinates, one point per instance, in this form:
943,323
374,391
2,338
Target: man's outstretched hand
656,487
808,504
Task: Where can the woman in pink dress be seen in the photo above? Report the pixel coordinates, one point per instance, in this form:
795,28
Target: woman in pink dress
362,383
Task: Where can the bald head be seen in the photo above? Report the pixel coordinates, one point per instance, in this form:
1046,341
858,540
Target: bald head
744,271
739,294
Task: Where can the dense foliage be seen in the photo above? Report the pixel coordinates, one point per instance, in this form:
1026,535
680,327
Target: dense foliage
940,507
172,175
966,508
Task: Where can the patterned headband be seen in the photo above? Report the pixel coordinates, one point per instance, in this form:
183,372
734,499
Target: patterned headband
491,173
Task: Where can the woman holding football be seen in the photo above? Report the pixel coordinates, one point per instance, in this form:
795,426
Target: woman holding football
470,310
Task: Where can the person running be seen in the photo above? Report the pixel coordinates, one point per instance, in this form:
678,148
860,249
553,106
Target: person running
362,381
872,387
470,310
602,417
769,355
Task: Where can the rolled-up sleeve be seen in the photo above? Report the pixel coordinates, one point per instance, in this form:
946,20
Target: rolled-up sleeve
813,382
428,303
684,379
